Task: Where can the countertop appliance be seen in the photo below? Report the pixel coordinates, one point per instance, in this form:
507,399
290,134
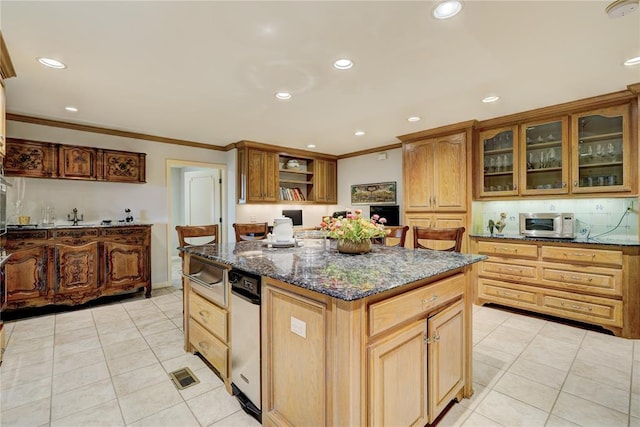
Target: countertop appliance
245,339
554,225
209,278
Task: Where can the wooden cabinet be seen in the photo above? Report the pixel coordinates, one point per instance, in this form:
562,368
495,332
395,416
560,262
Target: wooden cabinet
594,284
325,181
75,265
207,327
127,257
122,166
601,151
395,359
262,175
37,159
3,126
32,159
577,151
435,174
268,175
6,71
77,162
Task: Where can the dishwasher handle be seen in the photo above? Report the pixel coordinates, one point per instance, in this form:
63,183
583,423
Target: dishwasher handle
241,293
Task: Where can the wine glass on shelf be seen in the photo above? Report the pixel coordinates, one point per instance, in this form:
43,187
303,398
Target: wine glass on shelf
499,164
599,151
611,151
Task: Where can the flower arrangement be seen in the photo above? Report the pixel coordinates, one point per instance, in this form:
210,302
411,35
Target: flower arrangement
353,227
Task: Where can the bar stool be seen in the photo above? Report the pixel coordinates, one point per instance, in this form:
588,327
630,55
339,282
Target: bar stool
251,231
397,232
188,232
448,234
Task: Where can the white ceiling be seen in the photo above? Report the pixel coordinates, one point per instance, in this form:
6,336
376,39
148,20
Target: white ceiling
207,71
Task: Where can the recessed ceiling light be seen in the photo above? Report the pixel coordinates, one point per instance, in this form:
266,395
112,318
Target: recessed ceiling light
72,109
447,9
632,61
51,63
491,98
414,119
343,64
311,145
621,8
359,133
283,95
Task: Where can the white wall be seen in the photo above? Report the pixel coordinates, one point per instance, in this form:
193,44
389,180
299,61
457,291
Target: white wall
107,200
367,169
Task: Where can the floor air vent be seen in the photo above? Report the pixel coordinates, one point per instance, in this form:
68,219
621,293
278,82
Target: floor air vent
183,378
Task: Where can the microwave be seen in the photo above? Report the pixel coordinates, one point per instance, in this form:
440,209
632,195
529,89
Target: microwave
557,225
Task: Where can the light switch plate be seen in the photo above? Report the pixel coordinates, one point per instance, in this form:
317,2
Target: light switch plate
298,327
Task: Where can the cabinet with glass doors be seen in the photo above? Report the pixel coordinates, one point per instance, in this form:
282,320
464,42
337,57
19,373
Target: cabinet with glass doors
602,151
545,167
499,158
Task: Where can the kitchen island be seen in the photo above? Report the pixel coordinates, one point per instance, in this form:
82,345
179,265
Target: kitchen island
382,338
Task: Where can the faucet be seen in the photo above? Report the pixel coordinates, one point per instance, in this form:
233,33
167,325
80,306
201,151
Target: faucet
75,218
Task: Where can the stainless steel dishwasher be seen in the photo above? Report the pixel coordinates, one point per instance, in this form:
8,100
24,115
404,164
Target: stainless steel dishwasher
245,341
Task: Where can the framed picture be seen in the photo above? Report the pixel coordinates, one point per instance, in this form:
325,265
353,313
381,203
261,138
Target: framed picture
381,193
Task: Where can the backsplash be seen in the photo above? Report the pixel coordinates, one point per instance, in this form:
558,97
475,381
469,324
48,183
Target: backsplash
593,216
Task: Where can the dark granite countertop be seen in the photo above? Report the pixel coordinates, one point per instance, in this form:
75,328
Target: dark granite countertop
602,240
14,227
346,277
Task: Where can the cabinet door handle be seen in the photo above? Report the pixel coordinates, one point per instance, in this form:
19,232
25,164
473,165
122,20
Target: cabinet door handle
515,186
564,185
427,301
582,255
503,249
509,294
203,346
509,269
204,315
575,183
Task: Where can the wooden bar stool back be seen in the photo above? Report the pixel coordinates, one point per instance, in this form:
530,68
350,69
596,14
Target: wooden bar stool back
397,236
251,231
207,234
453,235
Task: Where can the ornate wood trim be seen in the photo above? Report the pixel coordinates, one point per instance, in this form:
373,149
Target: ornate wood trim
439,131
370,150
285,151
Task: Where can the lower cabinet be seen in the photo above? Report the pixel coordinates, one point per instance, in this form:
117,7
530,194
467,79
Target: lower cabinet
395,360
591,283
75,265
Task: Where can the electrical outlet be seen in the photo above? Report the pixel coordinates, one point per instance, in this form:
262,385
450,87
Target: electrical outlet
630,205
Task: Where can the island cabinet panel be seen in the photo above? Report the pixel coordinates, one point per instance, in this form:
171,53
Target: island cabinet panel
396,358
591,283
398,387
75,265
296,363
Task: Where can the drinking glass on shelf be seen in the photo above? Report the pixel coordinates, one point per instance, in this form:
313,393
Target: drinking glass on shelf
492,164
505,163
552,157
611,151
499,164
599,150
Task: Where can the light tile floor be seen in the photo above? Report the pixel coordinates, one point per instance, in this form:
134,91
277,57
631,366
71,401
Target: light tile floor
107,365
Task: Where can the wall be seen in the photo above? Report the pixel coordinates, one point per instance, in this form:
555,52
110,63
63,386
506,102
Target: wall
107,200
367,169
593,216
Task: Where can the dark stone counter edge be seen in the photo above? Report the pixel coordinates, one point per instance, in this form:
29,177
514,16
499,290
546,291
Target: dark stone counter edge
14,227
591,241
462,262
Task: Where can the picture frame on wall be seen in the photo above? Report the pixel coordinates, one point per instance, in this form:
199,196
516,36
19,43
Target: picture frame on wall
380,193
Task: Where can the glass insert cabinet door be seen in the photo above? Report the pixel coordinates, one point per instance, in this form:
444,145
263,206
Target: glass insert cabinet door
601,149
545,153
499,157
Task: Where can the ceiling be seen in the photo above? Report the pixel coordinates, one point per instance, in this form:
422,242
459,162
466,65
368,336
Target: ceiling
207,71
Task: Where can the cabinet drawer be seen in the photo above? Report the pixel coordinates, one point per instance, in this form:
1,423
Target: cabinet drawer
209,315
517,250
606,281
214,350
589,309
591,256
386,314
496,291
508,271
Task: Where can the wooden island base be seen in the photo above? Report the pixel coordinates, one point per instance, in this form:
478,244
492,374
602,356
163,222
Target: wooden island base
394,358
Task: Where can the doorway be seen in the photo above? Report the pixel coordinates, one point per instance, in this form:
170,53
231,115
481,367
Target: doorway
196,196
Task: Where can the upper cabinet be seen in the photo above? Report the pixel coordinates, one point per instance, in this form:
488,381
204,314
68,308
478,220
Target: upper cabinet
435,174
586,152
266,175
37,159
601,147
6,71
